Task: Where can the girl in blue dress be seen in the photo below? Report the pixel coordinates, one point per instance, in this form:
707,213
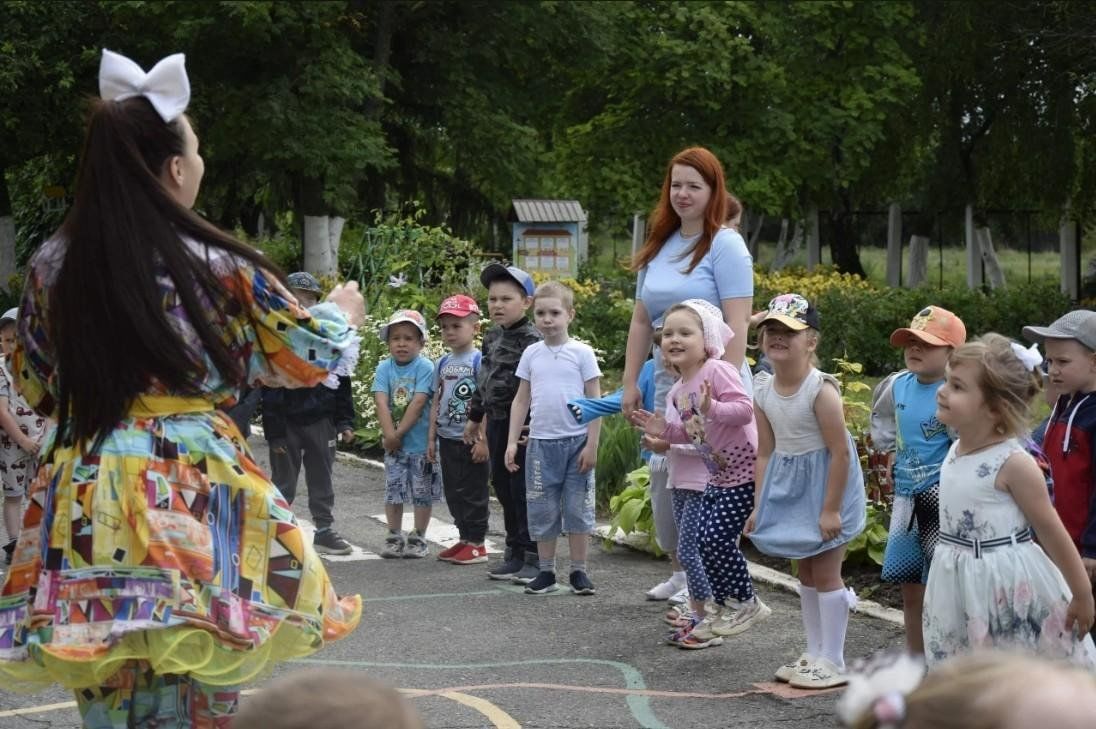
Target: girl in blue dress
810,489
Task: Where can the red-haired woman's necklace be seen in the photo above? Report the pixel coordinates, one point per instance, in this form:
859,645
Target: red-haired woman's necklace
681,231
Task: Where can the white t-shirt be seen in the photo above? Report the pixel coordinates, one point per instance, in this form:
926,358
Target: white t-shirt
555,376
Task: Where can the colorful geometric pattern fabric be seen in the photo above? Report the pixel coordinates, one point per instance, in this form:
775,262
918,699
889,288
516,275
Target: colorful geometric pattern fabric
137,696
169,545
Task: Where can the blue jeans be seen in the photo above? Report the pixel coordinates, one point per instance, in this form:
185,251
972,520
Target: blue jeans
558,497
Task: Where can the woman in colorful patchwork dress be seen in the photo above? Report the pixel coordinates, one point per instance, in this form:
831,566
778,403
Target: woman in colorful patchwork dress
157,568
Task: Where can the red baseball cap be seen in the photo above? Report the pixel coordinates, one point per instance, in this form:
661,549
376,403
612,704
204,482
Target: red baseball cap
459,305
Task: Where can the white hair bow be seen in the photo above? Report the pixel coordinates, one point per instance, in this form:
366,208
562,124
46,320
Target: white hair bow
882,691
1030,357
166,86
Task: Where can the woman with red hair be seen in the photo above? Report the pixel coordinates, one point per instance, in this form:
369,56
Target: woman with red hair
689,254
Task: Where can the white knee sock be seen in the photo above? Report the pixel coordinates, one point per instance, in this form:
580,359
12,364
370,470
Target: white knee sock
812,619
834,609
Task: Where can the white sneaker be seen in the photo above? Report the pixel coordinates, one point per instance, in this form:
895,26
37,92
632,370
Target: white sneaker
680,597
788,670
733,622
821,675
663,590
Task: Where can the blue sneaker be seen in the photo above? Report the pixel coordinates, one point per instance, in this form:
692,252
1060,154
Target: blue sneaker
580,583
544,583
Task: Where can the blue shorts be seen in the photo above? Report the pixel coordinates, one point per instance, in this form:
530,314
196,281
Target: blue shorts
558,498
410,477
914,530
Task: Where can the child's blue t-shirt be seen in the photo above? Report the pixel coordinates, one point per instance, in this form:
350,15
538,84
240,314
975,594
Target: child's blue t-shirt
921,440
401,383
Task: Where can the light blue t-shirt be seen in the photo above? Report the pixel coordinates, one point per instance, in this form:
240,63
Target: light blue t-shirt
402,383
921,440
726,272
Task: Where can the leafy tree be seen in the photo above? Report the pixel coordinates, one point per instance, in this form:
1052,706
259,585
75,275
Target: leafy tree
41,59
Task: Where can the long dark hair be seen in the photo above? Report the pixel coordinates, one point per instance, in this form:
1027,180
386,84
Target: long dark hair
107,315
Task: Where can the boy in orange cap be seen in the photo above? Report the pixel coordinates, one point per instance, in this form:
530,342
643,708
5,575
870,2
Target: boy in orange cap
921,444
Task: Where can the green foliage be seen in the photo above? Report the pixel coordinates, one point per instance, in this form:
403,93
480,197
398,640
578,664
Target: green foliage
617,457
868,546
400,263
631,510
283,248
858,318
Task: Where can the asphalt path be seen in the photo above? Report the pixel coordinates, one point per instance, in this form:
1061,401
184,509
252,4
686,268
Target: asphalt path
471,652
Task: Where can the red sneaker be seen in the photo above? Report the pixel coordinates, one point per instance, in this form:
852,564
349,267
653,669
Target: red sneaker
447,554
470,554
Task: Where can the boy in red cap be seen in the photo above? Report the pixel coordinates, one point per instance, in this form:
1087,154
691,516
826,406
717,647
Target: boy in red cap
921,444
464,469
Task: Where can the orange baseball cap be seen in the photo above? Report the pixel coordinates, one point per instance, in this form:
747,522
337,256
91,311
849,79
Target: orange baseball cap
933,326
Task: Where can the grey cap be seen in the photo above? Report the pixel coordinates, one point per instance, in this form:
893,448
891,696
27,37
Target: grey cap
11,314
1079,324
304,281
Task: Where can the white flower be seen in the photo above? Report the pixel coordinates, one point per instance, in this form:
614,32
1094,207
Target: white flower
398,282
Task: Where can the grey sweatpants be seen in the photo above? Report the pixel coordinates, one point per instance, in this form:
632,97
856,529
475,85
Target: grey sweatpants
662,505
314,446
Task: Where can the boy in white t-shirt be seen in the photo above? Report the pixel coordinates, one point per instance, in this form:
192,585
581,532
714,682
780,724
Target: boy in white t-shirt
560,457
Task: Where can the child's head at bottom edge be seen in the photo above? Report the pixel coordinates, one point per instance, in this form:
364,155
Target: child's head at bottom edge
326,698
988,690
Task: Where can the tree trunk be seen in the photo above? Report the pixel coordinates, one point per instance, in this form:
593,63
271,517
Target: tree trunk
814,239
994,272
974,257
321,232
843,242
894,245
374,188
787,250
1069,255
756,234
7,235
780,256
918,268
322,235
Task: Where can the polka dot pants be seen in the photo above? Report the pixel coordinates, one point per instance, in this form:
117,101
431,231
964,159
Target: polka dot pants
725,510
688,513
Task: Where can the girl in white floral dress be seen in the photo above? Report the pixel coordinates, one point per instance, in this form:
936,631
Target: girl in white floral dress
990,585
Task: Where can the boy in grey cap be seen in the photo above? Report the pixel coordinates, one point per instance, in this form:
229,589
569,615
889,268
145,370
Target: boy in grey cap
1070,439
301,427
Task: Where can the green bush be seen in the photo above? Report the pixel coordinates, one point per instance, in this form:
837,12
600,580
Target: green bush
617,456
632,512
858,317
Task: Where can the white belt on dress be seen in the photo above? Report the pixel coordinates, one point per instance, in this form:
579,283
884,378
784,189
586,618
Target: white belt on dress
979,545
